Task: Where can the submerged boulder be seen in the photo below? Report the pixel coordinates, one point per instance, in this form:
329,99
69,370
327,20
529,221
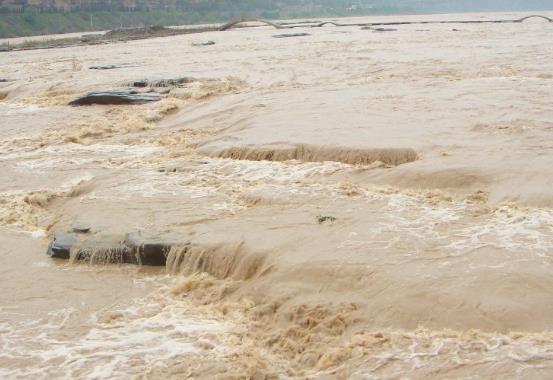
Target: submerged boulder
149,252
108,249
140,83
126,96
60,247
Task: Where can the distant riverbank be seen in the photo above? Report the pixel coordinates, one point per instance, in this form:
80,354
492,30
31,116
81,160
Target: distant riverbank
32,22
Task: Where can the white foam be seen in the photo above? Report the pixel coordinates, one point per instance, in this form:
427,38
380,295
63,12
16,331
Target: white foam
151,333
59,156
38,234
13,109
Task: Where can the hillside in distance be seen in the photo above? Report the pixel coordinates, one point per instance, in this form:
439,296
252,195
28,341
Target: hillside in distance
32,17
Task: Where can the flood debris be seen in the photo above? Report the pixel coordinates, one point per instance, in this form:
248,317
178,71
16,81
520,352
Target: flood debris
131,248
288,35
116,97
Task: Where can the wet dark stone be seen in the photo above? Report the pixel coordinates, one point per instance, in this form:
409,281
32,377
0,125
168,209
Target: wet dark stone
130,249
168,170
140,83
155,253
60,247
288,35
115,97
99,252
148,252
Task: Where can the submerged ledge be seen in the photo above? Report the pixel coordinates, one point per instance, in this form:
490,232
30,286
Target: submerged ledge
178,257
314,153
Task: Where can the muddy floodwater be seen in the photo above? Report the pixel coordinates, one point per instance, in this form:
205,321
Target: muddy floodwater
350,204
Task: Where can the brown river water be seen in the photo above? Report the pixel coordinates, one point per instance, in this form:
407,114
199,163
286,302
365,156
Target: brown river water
357,205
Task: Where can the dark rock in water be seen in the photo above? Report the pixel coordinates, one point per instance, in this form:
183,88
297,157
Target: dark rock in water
175,82
60,247
111,67
105,250
2,80
106,67
115,97
140,83
206,43
148,252
130,249
287,35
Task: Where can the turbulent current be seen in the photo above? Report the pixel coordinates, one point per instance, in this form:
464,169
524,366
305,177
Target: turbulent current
348,204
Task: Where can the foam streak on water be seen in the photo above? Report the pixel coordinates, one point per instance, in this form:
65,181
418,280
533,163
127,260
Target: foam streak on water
147,336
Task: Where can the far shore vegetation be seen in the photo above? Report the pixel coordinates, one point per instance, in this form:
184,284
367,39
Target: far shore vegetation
32,20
